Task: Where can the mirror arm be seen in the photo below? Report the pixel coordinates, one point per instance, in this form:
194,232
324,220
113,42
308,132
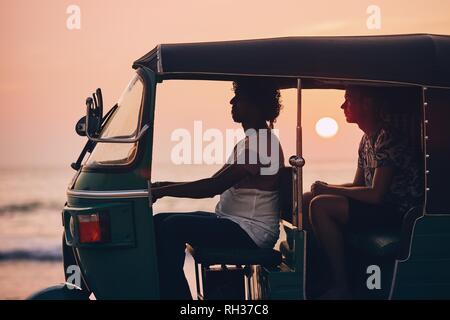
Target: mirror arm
87,148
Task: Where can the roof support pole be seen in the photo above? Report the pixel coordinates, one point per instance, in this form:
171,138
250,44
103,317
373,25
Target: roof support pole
297,162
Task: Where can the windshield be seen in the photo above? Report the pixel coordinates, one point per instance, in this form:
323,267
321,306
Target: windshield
123,123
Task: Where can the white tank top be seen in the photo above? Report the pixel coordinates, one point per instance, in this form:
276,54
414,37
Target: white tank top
256,211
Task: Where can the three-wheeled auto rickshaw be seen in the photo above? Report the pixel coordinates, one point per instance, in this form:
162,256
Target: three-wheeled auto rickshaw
108,217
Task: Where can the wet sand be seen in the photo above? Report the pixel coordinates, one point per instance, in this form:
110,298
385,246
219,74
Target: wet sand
20,279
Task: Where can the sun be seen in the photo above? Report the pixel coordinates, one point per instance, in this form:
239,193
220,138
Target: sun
327,127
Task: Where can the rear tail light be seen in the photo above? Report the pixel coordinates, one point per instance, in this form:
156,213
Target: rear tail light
93,228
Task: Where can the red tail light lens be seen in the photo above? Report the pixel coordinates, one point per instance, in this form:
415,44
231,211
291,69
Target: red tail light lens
93,228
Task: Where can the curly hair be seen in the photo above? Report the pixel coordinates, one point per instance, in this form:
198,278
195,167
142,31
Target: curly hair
262,93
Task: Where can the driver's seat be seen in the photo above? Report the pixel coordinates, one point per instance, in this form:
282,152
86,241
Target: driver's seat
221,273
226,273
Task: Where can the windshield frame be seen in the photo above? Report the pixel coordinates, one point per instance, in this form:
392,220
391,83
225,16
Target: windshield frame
143,119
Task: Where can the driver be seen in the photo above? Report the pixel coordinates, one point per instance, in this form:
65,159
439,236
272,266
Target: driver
247,214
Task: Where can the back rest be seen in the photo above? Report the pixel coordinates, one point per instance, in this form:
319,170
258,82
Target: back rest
402,113
285,193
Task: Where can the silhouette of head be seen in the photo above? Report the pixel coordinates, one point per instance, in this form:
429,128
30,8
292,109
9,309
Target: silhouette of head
255,100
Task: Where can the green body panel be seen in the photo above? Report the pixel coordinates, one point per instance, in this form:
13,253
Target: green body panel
125,268
99,181
426,273
122,272
287,281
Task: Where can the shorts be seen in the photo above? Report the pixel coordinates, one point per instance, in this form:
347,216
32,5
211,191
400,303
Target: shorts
367,216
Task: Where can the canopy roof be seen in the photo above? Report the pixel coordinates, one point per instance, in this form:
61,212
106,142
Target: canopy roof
418,59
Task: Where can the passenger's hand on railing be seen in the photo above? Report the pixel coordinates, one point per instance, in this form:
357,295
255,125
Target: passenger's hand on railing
319,187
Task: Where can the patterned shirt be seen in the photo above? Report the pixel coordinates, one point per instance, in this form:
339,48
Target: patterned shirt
382,149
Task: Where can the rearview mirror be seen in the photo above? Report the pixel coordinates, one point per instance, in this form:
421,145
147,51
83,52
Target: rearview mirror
80,127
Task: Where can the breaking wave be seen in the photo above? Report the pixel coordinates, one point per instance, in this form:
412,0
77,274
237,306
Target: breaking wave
29,207
49,255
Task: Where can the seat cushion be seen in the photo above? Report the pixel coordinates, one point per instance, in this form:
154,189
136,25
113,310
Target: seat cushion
383,243
211,256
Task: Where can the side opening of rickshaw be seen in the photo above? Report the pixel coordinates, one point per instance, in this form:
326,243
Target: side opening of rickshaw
286,272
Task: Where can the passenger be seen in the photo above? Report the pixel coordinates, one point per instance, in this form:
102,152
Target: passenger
387,183
247,214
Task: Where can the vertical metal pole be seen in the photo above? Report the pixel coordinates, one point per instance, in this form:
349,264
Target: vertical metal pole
425,144
299,153
297,162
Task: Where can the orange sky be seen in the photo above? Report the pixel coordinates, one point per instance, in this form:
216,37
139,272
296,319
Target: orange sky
46,70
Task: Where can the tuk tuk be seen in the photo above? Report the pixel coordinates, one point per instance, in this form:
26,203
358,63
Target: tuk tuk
108,217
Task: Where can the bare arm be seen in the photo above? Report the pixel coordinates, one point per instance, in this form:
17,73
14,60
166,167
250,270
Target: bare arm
373,194
225,166
224,179
358,180
159,184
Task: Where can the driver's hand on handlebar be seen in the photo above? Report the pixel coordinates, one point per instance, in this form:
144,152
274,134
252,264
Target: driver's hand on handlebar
159,184
155,192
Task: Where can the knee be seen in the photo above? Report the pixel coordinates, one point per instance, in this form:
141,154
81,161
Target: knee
158,219
328,207
319,208
172,226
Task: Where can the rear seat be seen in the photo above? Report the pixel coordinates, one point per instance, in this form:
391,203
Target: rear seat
387,243
378,243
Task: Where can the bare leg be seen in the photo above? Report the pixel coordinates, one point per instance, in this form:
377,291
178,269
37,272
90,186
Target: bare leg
328,215
318,276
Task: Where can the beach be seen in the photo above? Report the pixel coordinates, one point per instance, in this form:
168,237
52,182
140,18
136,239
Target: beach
19,279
